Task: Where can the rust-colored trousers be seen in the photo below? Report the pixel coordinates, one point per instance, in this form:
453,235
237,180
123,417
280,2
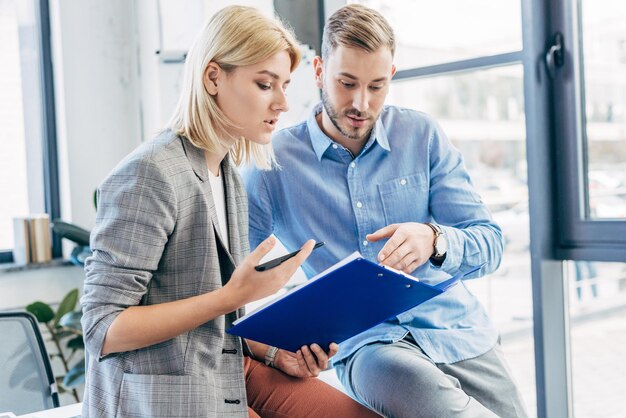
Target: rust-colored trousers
273,394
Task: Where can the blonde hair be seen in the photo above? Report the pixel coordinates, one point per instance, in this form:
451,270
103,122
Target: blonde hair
235,36
357,26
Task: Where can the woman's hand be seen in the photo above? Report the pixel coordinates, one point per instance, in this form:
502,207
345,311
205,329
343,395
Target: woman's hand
307,362
247,285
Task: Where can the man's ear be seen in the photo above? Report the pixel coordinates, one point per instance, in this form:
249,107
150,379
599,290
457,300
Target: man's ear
318,68
393,71
210,77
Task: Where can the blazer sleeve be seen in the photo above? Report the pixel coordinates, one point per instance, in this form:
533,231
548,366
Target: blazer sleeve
136,214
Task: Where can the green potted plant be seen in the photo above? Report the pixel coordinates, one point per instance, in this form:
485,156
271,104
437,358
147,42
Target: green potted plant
66,334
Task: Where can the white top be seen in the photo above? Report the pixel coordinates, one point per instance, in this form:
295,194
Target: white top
219,198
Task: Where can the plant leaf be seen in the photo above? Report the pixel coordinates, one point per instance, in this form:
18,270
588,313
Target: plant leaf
64,334
76,375
68,304
60,387
76,343
72,320
42,311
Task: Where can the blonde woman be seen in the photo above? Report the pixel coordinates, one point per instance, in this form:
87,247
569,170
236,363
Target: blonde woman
170,269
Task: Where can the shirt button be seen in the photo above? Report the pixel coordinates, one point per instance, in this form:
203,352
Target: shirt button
403,182
365,243
352,165
334,146
359,204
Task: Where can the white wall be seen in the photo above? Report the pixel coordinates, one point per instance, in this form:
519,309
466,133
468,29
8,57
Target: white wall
97,96
112,89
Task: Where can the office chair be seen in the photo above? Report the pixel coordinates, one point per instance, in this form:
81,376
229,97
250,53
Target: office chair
26,380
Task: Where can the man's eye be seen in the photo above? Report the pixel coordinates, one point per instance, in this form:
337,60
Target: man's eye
347,85
263,86
376,88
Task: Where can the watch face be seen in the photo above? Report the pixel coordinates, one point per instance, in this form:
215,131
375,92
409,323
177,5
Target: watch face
441,245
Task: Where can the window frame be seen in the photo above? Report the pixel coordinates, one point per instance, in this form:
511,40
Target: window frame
579,238
52,204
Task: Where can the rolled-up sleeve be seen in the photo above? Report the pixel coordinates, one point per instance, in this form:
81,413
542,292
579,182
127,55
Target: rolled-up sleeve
136,215
473,237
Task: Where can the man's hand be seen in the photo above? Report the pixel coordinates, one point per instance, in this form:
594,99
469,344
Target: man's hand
307,362
410,245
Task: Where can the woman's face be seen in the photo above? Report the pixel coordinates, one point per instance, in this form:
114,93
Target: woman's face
253,96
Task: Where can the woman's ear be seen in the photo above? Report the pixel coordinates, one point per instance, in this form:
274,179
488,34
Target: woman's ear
211,74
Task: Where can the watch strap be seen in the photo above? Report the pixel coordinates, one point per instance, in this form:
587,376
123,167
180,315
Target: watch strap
436,258
270,356
436,228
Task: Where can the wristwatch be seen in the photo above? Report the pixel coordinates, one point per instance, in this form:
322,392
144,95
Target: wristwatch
440,246
270,356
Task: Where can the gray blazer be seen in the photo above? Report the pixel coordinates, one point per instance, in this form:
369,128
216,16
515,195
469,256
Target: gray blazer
156,240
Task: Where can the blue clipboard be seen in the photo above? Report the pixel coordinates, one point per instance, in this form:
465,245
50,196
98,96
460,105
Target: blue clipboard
337,304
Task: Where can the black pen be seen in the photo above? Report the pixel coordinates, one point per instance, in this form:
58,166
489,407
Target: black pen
278,261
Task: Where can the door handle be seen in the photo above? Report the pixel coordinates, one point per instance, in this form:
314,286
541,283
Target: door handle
555,54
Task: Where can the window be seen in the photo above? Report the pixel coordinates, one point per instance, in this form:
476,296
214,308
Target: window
13,168
597,301
604,62
28,180
435,32
589,91
482,112
590,94
465,70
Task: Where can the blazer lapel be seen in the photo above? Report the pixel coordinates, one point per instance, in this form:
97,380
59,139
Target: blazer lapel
198,163
237,213
236,208
196,158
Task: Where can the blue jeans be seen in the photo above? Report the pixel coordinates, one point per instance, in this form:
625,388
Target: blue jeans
399,380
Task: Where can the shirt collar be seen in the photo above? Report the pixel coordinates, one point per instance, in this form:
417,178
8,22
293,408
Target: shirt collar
321,142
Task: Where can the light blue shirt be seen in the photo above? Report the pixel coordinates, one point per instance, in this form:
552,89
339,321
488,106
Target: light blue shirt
408,171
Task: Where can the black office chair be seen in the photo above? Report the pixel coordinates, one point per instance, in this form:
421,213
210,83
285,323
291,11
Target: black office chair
26,380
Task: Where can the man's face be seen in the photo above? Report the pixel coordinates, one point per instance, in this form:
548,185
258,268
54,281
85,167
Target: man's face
354,86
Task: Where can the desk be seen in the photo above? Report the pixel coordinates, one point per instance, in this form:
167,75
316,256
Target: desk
67,411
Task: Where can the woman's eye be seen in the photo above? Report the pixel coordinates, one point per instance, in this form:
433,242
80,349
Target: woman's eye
263,86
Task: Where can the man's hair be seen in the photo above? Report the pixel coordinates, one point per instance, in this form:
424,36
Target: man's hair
357,26
235,36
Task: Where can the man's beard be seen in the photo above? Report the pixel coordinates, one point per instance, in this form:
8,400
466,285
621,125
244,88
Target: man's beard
334,116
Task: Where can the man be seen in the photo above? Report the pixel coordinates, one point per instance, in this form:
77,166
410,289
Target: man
387,182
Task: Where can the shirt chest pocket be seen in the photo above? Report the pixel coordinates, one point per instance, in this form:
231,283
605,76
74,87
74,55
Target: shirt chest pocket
405,199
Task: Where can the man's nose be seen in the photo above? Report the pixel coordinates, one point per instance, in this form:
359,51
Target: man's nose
361,100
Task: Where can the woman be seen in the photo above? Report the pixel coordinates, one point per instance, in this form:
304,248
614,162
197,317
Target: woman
169,271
